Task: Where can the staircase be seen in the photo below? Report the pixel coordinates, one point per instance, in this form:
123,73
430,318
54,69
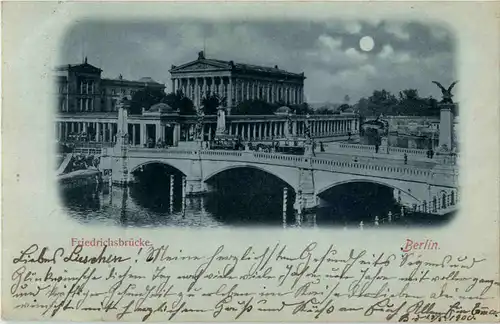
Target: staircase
64,163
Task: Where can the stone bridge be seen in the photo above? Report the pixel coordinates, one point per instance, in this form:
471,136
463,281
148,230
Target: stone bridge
309,176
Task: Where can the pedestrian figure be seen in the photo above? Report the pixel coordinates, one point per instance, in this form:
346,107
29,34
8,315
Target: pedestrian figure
322,147
406,158
432,153
376,148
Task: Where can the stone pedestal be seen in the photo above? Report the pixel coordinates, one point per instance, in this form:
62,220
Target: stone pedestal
194,187
384,145
308,149
194,182
119,169
306,188
446,128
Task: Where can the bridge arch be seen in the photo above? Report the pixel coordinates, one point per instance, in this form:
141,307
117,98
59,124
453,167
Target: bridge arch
359,180
266,169
169,163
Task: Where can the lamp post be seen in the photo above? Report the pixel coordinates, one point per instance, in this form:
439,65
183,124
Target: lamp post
199,126
308,145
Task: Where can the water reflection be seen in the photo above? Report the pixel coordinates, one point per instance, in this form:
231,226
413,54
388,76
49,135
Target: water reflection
137,207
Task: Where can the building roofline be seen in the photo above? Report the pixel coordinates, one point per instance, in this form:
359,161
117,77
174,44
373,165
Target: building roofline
66,67
232,66
125,81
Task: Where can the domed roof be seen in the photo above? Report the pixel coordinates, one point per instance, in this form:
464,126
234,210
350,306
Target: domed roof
283,110
161,108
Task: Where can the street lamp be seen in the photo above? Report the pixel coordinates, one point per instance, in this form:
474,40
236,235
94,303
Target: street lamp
308,128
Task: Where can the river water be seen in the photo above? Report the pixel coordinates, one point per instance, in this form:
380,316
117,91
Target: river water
238,198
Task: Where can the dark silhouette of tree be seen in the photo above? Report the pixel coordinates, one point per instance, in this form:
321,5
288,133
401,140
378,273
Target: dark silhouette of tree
145,98
408,94
255,107
324,111
211,102
408,103
179,102
302,109
343,107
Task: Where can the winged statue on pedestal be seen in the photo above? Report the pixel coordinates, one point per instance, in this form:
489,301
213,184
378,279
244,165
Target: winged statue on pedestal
446,93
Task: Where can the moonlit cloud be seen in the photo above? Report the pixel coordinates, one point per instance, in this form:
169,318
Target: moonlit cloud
353,27
397,30
405,55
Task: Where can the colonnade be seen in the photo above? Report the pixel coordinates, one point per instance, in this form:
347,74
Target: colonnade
237,89
267,130
138,133
142,131
97,131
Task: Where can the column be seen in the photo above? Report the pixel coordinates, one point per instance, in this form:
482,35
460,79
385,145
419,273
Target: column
142,129
189,132
196,94
97,130
265,130
111,132
157,132
85,127
175,135
230,93
254,126
204,89
60,134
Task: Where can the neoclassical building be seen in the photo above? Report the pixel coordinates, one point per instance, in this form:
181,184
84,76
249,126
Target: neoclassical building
237,82
80,88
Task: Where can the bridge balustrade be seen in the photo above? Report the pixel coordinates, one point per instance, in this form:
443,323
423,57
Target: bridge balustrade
406,172
371,148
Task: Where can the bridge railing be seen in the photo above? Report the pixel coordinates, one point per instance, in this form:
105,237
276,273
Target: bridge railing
87,150
440,176
438,205
369,168
371,148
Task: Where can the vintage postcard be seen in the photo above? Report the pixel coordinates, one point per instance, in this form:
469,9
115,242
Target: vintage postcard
272,162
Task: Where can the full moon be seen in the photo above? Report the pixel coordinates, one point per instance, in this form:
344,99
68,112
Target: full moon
366,43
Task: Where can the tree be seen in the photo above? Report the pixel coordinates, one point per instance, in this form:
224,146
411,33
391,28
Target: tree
302,109
254,107
145,98
211,102
408,94
324,111
179,102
